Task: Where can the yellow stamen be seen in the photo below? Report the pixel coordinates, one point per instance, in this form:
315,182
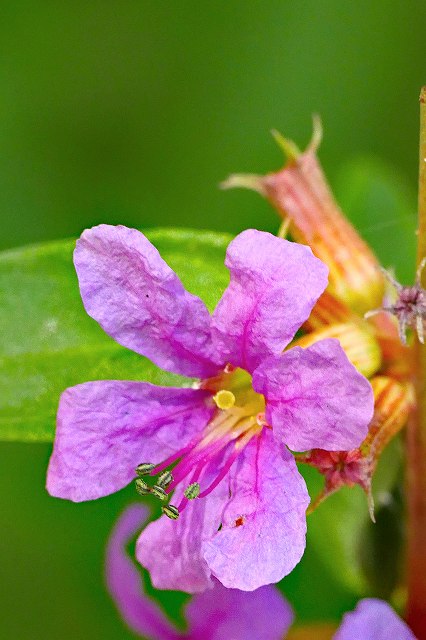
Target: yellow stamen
224,399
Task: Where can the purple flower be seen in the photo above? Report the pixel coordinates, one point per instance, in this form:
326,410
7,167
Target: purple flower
216,614
373,620
224,440
220,613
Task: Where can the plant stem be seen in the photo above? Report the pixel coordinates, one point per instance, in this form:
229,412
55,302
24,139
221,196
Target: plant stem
416,438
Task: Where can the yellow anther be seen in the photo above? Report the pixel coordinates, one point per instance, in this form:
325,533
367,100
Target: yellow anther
224,399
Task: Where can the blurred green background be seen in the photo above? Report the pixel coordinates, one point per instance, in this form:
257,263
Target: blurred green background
132,112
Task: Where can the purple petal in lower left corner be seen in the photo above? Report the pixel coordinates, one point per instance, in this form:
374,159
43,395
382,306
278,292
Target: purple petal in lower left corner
125,585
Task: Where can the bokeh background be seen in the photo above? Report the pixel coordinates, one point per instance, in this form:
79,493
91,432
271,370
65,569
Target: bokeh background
132,112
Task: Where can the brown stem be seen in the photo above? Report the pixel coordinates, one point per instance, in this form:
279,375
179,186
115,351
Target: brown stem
416,438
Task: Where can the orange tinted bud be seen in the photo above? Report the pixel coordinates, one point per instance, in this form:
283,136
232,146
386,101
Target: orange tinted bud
328,310
301,195
397,359
393,403
357,341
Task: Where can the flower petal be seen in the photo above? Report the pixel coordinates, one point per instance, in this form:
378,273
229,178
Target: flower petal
274,285
221,614
138,300
106,428
171,550
373,620
315,397
264,523
124,582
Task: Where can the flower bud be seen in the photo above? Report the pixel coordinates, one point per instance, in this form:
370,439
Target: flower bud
357,341
302,197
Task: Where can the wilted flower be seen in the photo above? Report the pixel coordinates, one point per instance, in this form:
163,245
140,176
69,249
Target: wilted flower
303,199
409,308
224,614
224,440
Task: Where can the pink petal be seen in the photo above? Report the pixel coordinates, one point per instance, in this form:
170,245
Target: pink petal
216,614
264,524
171,550
373,620
105,429
138,300
315,397
274,285
224,614
124,582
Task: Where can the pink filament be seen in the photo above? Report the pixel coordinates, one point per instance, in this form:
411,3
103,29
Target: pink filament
172,458
234,455
201,451
200,457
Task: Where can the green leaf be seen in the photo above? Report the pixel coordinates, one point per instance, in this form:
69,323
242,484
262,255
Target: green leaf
334,530
48,342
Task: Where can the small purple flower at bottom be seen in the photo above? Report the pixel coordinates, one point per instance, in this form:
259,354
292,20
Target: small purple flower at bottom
373,619
224,614
216,614
239,501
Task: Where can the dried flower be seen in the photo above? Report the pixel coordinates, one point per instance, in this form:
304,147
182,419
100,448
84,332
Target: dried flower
409,308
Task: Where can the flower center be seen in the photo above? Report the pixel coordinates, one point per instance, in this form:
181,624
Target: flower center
240,415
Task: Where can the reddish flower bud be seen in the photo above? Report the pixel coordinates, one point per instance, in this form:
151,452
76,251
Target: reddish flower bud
303,198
